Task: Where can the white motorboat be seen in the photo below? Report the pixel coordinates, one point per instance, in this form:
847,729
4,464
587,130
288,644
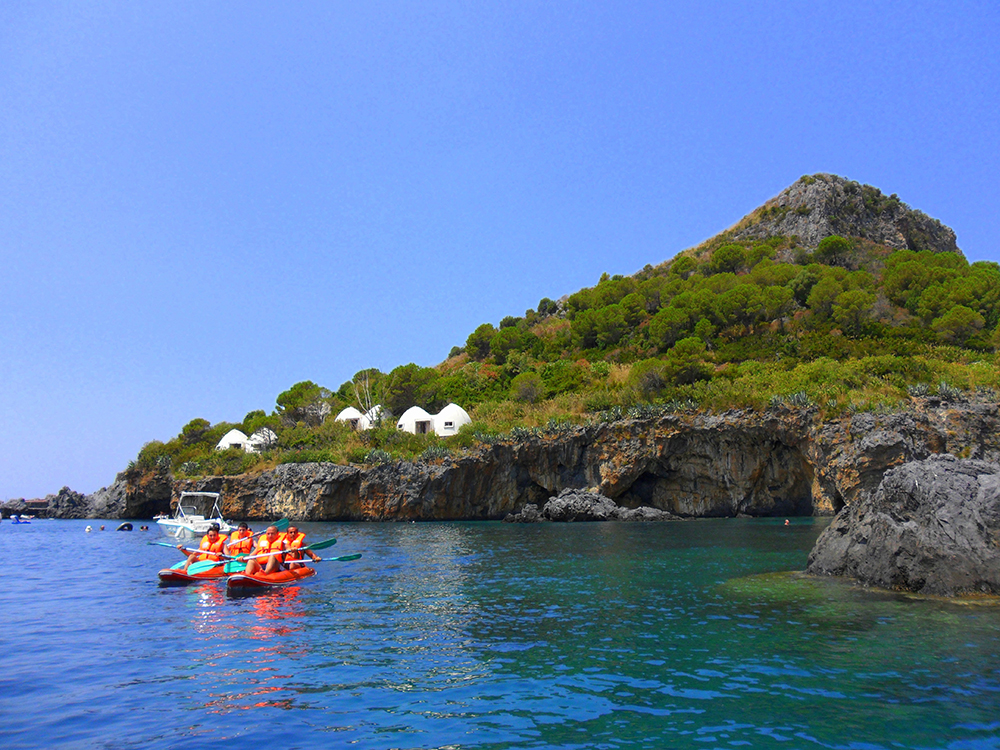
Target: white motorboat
191,519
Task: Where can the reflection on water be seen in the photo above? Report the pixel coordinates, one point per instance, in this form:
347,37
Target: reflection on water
254,675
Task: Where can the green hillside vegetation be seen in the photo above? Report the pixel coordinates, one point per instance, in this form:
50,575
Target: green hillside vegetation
849,325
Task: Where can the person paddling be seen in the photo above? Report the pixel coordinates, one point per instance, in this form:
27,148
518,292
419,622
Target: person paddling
295,540
211,547
270,547
240,542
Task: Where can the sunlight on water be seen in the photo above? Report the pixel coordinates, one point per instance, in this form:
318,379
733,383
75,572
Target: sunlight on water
490,636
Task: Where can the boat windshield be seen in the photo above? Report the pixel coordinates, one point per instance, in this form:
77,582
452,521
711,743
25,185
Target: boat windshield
199,505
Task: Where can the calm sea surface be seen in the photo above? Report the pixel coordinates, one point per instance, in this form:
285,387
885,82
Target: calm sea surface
486,635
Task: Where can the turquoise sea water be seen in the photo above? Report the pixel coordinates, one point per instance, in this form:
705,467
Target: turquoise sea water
486,635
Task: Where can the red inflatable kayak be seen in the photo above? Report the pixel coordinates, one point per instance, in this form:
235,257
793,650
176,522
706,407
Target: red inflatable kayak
244,582
178,576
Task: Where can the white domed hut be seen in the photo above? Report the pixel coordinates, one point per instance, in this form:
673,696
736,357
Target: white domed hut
233,439
373,417
450,420
352,415
416,420
261,440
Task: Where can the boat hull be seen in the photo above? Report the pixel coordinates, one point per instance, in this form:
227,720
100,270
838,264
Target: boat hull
192,518
177,577
245,582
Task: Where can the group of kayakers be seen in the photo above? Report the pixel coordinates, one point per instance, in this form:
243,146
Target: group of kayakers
275,550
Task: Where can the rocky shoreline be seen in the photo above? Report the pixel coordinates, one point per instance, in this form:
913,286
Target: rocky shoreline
782,462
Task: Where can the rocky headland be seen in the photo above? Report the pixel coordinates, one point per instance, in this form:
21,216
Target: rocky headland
781,462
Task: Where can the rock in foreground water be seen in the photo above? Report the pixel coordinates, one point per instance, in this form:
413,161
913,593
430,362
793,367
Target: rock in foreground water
932,527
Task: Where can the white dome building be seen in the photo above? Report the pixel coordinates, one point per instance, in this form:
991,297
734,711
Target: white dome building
416,420
450,420
352,415
372,417
233,439
262,439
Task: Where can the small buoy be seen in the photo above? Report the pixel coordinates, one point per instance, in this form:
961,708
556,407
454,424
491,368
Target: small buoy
786,522
89,529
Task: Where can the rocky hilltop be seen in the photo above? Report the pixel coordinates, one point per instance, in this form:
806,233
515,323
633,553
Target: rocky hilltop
781,462
821,205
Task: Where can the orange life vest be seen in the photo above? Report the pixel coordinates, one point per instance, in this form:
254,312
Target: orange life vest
210,550
265,547
240,543
294,544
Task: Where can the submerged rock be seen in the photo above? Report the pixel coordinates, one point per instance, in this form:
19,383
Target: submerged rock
932,527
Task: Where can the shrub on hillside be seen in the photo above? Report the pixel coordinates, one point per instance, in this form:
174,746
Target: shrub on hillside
527,387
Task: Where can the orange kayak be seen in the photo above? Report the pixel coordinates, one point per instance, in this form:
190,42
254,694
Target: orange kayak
244,582
177,576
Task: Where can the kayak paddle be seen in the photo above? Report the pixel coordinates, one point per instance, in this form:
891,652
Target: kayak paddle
281,524
342,558
174,546
318,545
238,566
203,565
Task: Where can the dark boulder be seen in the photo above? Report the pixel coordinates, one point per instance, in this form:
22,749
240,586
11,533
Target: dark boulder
582,505
579,505
931,526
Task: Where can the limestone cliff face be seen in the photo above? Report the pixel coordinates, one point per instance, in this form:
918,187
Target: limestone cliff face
782,462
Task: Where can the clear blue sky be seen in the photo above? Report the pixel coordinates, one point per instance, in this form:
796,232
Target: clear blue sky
203,203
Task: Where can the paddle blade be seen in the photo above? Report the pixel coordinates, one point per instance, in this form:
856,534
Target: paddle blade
342,558
321,545
202,566
282,524
235,566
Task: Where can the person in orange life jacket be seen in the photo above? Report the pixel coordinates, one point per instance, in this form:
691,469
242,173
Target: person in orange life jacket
211,547
271,547
295,540
240,541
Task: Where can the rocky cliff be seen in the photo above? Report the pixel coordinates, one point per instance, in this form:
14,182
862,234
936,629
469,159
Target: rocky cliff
781,462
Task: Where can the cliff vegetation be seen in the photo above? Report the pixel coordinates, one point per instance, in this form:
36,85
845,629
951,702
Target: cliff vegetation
831,296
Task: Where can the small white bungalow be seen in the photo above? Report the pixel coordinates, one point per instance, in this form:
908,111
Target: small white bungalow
416,420
450,419
352,415
233,439
372,417
261,440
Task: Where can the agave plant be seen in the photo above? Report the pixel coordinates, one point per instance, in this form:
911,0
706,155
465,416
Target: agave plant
378,456
434,452
949,392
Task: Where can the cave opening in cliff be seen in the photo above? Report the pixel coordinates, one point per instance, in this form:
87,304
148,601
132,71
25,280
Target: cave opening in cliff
641,492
